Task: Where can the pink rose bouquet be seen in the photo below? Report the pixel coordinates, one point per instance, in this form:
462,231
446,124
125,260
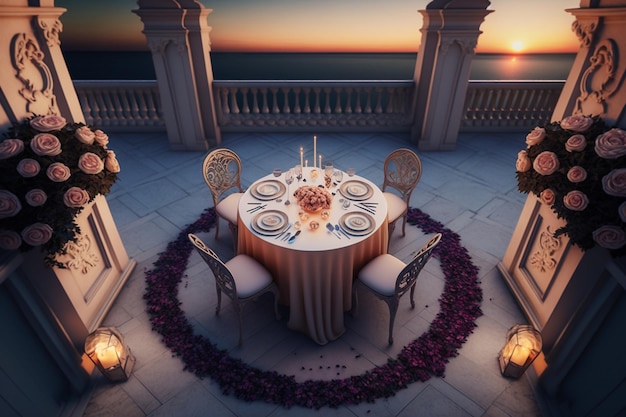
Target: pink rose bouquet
578,167
49,171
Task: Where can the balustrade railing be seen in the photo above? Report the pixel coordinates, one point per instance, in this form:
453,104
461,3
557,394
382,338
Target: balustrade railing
323,105
121,105
509,105
320,105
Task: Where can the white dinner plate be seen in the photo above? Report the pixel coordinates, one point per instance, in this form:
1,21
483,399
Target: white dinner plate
356,190
270,222
357,223
268,190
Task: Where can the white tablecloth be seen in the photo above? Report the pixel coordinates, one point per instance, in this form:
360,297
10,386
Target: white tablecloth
314,273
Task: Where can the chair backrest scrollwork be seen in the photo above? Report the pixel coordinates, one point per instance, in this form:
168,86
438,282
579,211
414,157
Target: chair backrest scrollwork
403,170
221,170
223,278
409,274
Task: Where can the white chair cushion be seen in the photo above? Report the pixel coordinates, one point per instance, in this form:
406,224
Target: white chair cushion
227,208
395,206
381,273
250,276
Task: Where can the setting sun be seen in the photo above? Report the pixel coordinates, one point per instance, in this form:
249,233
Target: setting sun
517,46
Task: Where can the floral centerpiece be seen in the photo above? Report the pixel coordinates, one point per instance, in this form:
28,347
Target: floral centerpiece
50,170
311,198
578,167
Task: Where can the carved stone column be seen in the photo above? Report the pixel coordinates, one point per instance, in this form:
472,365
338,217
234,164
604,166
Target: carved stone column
178,37
449,36
575,298
35,80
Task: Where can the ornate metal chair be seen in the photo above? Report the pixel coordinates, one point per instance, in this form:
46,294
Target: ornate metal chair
221,170
403,170
388,278
241,279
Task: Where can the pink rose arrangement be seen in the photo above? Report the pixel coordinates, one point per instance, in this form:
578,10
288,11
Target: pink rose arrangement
578,167
49,171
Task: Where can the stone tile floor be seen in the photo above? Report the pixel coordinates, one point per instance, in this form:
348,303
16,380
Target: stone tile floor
471,190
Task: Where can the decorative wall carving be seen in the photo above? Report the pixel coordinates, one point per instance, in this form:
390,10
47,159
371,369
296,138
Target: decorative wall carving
34,74
159,46
467,46
584,31
543,259
51,29
601,80
80,254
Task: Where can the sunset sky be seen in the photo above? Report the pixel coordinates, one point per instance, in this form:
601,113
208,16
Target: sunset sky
529,26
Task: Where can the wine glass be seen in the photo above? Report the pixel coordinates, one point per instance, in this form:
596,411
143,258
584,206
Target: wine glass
350,172
338,175
297,170
276,172
328,169
288,180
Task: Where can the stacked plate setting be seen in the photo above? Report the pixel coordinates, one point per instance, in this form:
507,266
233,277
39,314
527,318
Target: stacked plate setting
356,190
270,222
357,223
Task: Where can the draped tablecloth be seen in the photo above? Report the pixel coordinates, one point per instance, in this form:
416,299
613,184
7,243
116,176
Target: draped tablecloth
314,274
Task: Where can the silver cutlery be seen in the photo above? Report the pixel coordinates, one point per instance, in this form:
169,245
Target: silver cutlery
339,229
283,232
293,238
257,208
286,236
331,229
362,207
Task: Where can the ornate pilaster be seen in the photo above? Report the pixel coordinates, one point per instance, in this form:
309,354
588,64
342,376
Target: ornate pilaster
449,36
63,305
178,37
35,80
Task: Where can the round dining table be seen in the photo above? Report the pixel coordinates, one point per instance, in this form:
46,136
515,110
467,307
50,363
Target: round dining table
315,270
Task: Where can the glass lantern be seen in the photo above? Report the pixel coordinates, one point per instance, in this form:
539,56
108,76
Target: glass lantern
105,347
523,344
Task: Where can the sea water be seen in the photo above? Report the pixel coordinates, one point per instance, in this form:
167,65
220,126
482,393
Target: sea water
124,65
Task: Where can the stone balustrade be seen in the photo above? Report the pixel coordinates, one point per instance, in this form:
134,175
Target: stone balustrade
323,105
350,106
121,105
509,105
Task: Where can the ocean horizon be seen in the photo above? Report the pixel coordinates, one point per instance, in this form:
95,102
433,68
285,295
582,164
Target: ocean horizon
137,65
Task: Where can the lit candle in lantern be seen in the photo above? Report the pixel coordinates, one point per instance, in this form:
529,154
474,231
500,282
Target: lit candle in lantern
301,156
306,163
520,355
314,150
320,165
107,357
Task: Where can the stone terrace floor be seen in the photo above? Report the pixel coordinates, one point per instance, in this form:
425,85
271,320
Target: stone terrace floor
471,190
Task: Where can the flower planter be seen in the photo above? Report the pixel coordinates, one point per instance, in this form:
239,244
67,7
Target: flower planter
52,208
573,221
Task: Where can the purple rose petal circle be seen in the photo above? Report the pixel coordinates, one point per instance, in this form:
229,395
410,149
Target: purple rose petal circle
421,359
